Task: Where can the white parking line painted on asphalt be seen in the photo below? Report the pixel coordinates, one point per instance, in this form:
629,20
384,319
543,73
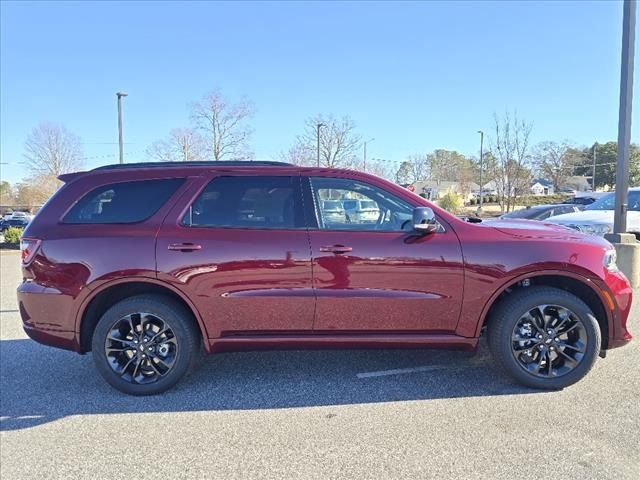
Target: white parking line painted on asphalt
400,371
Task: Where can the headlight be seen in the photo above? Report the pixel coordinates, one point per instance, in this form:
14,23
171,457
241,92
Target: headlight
599,229
609,260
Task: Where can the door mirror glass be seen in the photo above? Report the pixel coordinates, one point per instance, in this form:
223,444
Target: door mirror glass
424,220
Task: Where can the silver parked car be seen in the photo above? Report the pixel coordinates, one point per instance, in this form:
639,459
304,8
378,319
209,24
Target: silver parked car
597,218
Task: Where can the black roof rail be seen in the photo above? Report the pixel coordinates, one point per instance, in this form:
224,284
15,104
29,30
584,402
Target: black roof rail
220,163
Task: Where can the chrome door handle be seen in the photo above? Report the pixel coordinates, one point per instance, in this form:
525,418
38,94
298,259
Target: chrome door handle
338,249
184,247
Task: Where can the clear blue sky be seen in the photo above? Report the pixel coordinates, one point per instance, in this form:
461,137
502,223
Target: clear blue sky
416,76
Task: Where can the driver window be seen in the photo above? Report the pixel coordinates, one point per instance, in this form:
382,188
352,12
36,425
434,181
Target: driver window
343,204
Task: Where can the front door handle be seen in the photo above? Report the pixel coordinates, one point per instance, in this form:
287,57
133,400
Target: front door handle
184,247
338,249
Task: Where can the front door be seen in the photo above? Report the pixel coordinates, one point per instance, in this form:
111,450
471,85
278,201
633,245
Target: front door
373,273
238,247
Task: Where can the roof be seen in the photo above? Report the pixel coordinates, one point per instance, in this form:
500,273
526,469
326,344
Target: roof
543,182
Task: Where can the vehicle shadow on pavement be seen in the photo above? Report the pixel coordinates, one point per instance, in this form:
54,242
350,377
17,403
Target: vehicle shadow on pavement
41,384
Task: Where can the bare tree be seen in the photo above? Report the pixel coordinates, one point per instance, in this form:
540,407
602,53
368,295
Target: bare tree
35,191
380,168
414,168
298,154
510,147
339,143
182,144
557,161
51,150
224,125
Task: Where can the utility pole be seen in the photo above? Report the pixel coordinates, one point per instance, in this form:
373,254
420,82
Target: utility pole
593,173
364,163
120,142
481,167
624,119
318,127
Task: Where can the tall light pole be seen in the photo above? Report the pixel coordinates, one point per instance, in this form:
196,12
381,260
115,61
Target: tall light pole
318,127
364,163
120,143
481,158
593,172
624,119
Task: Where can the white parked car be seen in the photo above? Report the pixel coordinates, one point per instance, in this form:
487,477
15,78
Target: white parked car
361,211
597,218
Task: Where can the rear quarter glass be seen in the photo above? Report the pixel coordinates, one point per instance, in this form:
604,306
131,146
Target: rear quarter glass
122,202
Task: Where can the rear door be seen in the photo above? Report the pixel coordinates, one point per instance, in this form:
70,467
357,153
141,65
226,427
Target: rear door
239,248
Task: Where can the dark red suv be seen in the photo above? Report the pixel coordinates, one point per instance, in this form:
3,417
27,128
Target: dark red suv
145,264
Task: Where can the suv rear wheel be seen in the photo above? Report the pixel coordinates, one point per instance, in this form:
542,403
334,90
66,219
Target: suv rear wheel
544,337
145,344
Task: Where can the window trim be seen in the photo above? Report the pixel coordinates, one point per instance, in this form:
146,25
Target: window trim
180,186
297,187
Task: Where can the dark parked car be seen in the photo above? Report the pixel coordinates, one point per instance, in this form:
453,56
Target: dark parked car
145,264
584,200
14,222
542,212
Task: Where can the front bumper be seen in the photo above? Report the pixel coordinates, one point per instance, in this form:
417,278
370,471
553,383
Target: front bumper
620,306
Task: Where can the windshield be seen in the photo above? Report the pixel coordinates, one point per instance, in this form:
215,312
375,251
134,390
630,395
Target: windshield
608,202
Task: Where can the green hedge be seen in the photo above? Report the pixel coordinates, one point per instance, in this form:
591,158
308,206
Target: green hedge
12,235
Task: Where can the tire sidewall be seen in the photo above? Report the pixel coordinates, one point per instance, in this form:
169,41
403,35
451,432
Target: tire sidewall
173,315
509,314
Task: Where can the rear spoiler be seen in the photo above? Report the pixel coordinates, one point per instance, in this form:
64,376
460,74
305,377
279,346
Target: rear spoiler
67,177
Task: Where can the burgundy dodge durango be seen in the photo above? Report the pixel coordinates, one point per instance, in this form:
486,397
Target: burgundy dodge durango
146,264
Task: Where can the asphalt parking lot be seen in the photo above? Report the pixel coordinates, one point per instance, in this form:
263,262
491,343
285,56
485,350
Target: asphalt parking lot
341,414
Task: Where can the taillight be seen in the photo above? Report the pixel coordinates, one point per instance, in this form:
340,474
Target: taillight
28,248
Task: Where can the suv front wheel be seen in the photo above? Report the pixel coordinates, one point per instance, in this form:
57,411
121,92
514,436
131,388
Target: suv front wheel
544,337
144,345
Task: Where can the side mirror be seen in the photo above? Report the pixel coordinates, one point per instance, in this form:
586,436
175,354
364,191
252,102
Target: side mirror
424,220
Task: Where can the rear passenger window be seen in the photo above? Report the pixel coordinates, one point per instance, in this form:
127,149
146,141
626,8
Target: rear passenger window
126,202
248,202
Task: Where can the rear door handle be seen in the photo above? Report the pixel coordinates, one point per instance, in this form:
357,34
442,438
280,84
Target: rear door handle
336,249
184,247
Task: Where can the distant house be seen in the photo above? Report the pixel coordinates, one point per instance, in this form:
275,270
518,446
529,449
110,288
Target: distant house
434,190
541,186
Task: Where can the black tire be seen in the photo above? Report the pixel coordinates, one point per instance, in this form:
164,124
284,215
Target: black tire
184,335
501,332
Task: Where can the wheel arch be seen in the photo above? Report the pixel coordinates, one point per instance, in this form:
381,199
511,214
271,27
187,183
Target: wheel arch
111,293
583,287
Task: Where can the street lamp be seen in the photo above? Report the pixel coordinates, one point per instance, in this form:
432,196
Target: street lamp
364,163
624,118
318,127
120,95
481,157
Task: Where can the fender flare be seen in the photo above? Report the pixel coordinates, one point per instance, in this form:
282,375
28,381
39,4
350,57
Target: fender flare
137,279
594,283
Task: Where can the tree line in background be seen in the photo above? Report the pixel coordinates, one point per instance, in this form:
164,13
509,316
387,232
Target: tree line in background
219,130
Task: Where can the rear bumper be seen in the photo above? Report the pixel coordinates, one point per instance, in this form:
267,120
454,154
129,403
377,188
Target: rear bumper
52,338
47,316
